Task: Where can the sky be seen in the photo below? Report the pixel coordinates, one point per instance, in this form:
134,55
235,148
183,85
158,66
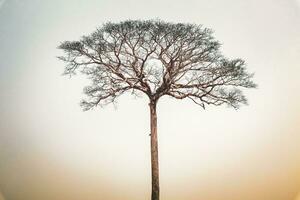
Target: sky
51,150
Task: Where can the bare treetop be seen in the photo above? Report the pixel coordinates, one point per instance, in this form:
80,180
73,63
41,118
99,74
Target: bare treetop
156,58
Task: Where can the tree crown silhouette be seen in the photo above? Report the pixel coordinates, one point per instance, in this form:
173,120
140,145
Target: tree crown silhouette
156,58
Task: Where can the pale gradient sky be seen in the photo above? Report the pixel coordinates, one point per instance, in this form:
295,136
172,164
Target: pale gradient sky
51,150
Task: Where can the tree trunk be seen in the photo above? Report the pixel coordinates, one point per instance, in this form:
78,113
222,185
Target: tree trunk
154,152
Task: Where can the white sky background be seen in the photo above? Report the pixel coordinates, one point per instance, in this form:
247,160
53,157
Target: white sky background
50,149
1,3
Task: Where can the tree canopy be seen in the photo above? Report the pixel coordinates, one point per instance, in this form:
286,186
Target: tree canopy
156,58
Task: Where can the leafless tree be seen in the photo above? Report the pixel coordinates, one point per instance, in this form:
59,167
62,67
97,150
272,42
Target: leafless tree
156,58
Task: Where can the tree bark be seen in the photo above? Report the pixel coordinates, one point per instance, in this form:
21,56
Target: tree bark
154,152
